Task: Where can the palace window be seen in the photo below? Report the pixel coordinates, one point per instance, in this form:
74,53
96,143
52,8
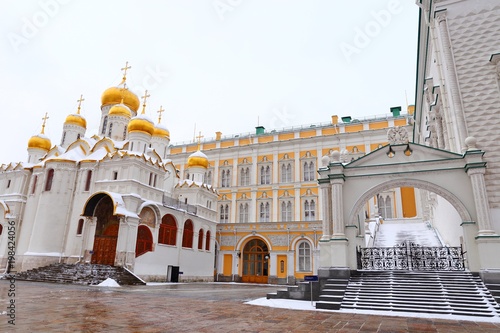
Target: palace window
304,257
245,176
225,178
385,206
200,239
187,234
265,174
168,230
264,212
88,179
309,210
309,171
243,212
224,213
286,211
50,178
286,172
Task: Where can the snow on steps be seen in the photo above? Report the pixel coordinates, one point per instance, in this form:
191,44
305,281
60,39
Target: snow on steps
458,293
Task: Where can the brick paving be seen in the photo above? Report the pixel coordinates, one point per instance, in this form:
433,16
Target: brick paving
45,307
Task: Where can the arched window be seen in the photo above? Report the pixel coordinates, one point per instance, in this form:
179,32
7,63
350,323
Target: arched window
1,229
144,241
286,211
243,212
168,230
187,234
200,239
265,174
224,213
207,242
264,209
50,178
209,177
304,257
309,171
63,138
226,178
87,181
309,210
79,229
35,180
286,172
385,206
245,177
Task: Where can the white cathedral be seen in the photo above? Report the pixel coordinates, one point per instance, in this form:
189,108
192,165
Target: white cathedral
114,198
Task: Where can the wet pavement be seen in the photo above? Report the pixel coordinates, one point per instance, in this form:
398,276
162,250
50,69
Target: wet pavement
45,307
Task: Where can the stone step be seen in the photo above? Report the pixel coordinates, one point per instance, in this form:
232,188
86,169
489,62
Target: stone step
79,274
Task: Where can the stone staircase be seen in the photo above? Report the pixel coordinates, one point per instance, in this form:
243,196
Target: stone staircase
456,293
85,274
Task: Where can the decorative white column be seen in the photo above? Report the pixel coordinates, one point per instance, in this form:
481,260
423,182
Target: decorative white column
326,211
481,201
337,209
456,112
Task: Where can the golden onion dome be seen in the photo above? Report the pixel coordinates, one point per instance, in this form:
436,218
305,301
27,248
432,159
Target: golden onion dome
76,119
114,95
161,131
40,141
197,159
141,123
120,110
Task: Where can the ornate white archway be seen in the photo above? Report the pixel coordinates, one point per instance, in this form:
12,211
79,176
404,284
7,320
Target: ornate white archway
458,178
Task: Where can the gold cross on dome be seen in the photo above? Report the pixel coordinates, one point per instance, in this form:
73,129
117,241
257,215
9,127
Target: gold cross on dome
199,137
145,97
80,103
124,69
44,121
159,113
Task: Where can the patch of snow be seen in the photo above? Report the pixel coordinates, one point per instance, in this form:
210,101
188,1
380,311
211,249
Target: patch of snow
109,282
306,305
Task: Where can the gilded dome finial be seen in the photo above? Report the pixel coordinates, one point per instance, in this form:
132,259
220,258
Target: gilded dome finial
124,69
199,137
145,97
80,104
44,121
159,113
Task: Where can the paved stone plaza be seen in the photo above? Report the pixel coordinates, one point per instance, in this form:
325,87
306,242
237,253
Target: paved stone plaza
44,307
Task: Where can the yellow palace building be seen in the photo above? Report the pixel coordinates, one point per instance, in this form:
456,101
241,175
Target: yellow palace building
269,207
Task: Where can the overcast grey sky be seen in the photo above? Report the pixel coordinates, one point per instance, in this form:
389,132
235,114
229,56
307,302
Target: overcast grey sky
219,65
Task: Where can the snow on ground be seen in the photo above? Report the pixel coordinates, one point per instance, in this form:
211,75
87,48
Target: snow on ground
109,282
306,305
391,233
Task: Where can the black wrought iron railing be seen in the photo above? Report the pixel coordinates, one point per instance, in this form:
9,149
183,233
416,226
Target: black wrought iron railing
411,256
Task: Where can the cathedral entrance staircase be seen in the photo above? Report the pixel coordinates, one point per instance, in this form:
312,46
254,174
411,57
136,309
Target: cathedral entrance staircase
85,274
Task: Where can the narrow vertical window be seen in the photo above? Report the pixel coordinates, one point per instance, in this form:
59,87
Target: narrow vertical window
200,239
207,241
79,229
8,183
115,175
33,189
88,180
104,124
48,181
